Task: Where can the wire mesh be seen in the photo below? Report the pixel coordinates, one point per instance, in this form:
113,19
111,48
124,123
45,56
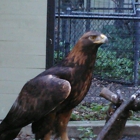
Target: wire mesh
115,60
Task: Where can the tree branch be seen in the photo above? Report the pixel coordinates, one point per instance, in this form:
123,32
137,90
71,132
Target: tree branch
114,126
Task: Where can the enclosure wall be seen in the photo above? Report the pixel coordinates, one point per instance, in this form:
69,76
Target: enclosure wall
22,46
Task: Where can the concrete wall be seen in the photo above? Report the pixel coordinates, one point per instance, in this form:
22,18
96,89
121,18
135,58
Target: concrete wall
22,46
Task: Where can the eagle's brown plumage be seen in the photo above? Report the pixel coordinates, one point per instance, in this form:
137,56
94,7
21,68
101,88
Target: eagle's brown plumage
47,100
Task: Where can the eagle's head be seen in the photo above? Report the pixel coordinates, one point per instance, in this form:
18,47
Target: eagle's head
86,48
93,39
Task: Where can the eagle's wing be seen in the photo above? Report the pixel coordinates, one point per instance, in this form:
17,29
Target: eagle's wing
37,98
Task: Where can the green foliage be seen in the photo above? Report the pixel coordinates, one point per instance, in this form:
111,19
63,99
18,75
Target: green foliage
94,111
120,38
86,133
135,115
109,65
90,112
98,112
59,55
115,59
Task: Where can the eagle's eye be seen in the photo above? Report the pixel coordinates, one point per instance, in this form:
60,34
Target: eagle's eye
93,37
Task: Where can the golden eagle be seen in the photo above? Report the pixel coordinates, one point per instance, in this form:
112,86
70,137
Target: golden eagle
47,100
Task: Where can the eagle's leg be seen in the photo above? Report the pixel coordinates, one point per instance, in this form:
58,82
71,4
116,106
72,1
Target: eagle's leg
48,136
62,124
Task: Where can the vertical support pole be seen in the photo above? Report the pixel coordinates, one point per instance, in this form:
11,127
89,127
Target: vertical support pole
67,30
88,20
67,48
58,31
50,36
137,48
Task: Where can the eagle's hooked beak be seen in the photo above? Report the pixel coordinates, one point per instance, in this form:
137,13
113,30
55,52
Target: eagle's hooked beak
105,39
100,39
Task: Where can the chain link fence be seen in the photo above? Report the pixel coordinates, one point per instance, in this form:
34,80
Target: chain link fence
118,19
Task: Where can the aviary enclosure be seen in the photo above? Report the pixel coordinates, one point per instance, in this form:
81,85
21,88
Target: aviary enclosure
118,19
117,65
